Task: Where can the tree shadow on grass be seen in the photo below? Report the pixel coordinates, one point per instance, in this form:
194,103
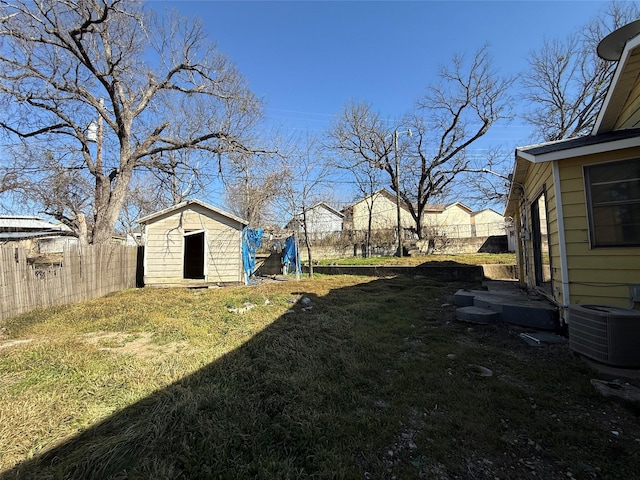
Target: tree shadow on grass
316,394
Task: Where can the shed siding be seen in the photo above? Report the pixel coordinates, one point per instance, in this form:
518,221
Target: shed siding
165,246
596,275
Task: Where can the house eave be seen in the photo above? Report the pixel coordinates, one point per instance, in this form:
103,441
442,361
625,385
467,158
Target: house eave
581,151
616,94
329,209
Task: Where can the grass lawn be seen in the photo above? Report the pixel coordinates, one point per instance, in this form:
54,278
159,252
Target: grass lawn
470,259
375,381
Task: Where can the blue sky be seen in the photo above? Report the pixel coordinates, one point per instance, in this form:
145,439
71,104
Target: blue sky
307,59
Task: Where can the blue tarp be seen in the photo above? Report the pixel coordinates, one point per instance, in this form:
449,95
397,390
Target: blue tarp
290,257
251,241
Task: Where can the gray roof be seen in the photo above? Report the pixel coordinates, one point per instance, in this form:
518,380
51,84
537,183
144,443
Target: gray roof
22,223
578,142
326,207
5,236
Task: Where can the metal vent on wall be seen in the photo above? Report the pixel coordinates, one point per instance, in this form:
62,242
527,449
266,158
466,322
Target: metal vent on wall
606,334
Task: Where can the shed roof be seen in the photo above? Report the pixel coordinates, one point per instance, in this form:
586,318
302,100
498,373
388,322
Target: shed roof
186,204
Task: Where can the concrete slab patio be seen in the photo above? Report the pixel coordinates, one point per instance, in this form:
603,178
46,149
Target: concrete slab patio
510,303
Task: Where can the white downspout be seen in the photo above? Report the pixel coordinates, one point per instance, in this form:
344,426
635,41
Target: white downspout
562,246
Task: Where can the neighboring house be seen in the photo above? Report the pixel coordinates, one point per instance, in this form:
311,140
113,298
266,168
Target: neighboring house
452,221
576,204
192,242
35,234
322,220
384,213
487,223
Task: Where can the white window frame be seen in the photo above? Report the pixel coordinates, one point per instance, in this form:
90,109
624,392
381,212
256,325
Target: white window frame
588,183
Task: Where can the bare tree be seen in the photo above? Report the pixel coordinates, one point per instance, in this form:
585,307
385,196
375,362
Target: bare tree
451,116
145,196
356,136
252,184
490,180
307,178
178,175
567,81
454,113
8,180
155,84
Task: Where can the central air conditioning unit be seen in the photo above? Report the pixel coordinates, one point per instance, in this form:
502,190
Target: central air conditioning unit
606,334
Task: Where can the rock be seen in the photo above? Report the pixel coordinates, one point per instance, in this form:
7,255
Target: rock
479,370
243,309
618,391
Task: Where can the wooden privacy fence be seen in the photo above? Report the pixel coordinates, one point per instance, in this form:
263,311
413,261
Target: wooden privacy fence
79,274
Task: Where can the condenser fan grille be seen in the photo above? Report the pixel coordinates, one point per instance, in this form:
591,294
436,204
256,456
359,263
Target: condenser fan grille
606,334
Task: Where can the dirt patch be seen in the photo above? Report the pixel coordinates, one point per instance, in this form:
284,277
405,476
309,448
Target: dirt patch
13,343
139,344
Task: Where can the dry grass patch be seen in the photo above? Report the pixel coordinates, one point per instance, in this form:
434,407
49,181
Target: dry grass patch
139,344
373,381
467,259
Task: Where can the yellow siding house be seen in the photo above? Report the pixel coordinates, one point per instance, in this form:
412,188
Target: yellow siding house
576,204
384,213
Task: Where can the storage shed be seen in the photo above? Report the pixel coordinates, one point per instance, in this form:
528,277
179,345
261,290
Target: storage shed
192,243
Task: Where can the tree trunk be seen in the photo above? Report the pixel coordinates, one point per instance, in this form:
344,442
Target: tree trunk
307,242
419,231
308,245
83,235
107,215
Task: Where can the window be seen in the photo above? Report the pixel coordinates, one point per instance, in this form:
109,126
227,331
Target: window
613,203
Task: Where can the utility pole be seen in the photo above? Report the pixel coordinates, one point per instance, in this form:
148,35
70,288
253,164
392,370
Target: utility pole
95,134
99,152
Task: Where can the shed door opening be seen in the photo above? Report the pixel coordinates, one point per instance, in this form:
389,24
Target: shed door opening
194,255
